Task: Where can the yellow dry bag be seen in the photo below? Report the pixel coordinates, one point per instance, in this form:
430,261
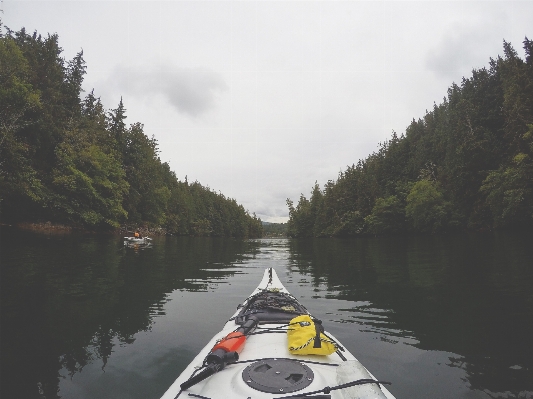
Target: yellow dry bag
306,337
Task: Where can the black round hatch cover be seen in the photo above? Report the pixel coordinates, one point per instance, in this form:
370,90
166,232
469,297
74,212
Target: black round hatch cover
277,375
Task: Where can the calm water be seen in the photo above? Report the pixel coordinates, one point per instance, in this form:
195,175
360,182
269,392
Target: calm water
439,317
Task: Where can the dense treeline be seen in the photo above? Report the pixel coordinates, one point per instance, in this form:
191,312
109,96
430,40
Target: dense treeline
468,164
272,230
66,159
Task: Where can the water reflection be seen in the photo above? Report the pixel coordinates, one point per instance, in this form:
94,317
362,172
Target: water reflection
467,295
441,317
138,246
68,301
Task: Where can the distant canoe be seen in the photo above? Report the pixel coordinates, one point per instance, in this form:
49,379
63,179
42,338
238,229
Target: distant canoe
136,240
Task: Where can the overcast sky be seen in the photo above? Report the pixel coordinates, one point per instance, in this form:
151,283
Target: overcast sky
260,99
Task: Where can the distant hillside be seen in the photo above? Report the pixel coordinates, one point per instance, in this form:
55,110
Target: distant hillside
467,164
274,229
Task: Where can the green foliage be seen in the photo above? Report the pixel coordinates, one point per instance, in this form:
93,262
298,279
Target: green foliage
255,226
302,218
17,95
509,192
89,183
202,227
66,159
148,195
17,100
387,217
275,230
350,223
426,207
467,163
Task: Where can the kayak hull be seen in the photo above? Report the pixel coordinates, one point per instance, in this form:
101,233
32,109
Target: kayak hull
235,380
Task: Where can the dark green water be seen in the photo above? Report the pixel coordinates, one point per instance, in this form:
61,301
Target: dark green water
439,317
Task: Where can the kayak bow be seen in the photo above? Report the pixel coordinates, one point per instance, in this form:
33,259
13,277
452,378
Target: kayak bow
252,359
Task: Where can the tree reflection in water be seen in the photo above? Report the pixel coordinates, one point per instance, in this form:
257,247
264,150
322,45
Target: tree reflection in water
468,295
440,316
70,300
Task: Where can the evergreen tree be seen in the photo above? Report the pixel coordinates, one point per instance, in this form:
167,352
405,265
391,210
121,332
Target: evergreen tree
67,160
467,163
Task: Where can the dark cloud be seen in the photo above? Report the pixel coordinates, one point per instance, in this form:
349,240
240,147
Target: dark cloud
189,91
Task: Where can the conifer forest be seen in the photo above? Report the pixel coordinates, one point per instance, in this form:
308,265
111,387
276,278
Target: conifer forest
466,165
66,159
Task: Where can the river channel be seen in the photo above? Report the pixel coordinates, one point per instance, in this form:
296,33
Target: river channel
82,316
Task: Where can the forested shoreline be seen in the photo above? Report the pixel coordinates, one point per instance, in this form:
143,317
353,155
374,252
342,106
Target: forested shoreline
65,159
467,164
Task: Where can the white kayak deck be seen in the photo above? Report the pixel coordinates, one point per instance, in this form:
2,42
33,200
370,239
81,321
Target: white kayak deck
229,382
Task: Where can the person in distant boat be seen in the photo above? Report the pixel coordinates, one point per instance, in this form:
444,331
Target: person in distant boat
137,234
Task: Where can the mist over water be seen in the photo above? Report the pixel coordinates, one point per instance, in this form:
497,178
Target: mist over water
438,316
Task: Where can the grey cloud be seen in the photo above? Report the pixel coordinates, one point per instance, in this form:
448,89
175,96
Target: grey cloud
189,91
460,50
